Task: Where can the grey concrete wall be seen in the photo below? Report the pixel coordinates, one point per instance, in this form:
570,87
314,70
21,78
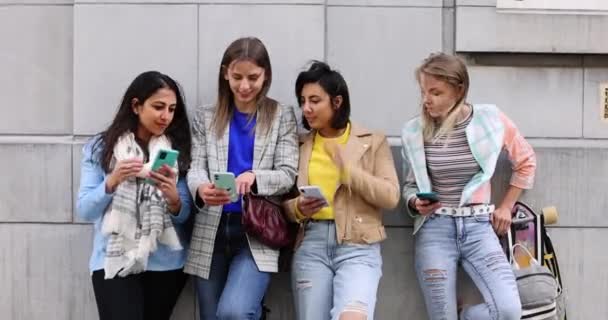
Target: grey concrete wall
65,65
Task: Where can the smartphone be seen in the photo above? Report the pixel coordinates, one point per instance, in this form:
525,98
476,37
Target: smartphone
313,192
226,181
164,156
431,196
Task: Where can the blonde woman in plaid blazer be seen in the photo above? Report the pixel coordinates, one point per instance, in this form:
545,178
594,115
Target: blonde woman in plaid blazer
255,138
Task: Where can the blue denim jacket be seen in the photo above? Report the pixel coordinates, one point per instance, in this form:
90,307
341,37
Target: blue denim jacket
93,201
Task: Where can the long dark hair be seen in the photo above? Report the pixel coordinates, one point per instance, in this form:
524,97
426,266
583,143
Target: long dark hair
244,49
142,88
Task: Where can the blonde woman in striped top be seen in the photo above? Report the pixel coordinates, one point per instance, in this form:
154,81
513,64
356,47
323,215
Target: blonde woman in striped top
452,150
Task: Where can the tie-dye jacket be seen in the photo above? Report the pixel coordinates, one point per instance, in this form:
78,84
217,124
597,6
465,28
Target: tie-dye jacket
489,132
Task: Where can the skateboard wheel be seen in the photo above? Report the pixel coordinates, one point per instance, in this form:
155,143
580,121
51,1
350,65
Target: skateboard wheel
550,214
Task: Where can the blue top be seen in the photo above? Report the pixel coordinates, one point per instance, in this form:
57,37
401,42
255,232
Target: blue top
93,201
240,149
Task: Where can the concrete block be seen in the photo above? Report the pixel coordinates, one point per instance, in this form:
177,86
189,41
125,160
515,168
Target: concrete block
36,2
241,2
398,216
543,102
37,185
36,64
372,47
387,3
115,43
449,30
476,3
595,123
76,167
185,309
572,179
512,32
293,35
580,257
44,272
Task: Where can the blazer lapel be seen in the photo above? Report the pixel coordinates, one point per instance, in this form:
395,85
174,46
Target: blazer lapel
260,141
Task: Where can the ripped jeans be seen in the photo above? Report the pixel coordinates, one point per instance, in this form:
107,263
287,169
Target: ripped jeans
442,244
330,278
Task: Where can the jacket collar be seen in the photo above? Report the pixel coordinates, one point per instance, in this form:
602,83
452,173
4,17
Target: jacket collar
358,142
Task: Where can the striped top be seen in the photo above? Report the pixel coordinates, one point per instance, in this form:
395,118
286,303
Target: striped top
451,165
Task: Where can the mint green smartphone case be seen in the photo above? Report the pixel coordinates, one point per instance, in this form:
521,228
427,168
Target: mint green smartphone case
226,181
164,156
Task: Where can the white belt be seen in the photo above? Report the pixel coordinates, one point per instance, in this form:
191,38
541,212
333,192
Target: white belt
466,211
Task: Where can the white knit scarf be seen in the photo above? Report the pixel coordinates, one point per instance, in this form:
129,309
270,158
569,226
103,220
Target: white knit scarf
138,216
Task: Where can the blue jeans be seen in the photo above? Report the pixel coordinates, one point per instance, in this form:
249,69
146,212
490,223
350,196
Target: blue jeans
441,244
235,287
330,278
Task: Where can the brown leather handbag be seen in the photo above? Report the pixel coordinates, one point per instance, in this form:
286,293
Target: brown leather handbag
263,219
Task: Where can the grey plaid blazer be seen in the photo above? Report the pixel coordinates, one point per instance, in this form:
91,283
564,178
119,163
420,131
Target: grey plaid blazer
275,164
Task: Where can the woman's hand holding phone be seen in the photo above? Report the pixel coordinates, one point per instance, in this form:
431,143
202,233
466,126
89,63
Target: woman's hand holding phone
311,200
309,206
213,196
425,203
426,207
165,180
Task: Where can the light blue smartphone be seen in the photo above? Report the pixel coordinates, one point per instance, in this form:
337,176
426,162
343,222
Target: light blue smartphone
164,156
313,192
226,181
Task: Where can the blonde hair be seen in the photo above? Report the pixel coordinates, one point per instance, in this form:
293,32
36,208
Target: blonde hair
453,71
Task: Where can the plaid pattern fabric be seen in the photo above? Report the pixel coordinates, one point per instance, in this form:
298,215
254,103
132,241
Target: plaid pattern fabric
489,132
275,164
136,218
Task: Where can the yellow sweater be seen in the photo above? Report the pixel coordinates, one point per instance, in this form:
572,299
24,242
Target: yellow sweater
324,173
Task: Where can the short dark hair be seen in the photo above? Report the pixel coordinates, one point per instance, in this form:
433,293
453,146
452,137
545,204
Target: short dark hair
333,83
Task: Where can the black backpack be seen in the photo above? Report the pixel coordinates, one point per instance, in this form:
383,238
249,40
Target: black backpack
526,226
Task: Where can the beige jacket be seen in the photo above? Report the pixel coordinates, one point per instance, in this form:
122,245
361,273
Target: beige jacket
371,187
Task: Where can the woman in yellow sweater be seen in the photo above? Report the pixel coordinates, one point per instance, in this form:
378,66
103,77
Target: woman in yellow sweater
337,265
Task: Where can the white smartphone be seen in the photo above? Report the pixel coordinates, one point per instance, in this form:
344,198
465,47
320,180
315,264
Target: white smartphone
226,181
313,192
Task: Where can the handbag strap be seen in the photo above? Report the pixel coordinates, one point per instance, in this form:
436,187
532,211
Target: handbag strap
550,250
514,262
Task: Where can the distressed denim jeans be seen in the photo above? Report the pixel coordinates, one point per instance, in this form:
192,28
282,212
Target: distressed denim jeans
235,288
442,244
330,278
